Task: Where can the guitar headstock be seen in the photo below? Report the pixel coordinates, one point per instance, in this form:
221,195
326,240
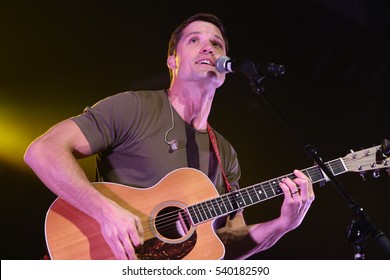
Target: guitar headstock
367,160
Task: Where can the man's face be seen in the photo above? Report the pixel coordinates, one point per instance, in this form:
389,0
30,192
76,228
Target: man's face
198,49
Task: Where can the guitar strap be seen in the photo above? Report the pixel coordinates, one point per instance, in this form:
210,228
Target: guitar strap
213,140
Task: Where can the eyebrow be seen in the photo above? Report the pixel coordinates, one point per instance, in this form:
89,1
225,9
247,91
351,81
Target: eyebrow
198,32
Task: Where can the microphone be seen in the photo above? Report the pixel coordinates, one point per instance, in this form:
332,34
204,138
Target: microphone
225,64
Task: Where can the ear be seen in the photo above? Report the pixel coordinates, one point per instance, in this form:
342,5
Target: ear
171,62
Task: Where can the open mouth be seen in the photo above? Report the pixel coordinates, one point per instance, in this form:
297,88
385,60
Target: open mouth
205,62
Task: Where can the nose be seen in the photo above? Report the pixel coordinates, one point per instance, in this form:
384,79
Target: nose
208,49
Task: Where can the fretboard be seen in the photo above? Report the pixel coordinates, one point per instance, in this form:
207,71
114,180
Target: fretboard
233,201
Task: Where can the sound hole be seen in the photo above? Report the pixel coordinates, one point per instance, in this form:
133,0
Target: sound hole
174,237
172,223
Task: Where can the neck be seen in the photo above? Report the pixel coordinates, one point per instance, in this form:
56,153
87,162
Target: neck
193,104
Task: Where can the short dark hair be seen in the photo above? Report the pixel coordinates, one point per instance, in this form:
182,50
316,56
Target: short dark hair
207,17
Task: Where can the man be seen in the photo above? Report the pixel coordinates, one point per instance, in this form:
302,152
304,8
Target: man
139,137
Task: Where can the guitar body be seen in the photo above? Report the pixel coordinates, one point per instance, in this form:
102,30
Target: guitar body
71,234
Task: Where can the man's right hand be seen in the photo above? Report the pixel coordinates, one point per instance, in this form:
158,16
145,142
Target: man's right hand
122,231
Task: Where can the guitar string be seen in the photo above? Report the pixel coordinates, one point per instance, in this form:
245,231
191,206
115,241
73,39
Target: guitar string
172,216
166,220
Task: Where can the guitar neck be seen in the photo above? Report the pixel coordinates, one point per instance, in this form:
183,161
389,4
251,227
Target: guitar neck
233,201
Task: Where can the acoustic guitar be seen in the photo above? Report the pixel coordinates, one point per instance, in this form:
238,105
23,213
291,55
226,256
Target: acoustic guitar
177,213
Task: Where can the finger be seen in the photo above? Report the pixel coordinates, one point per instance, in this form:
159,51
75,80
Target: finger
118,250
140,230
295,192
300,174
291,185
284,185
305,185
137,234
129,250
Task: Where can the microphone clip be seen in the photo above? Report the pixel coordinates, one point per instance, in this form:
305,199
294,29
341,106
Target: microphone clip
248,68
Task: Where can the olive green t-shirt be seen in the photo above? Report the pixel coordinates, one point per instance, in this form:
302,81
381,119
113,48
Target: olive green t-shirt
128,133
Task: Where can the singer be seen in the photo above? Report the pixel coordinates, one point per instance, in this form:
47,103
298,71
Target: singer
159,162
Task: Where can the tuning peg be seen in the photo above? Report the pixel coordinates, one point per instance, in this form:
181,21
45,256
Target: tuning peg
363,175
385,146
388,171
354,155
379,156
376,174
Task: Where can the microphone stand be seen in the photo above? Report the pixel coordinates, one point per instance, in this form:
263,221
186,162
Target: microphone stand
362,227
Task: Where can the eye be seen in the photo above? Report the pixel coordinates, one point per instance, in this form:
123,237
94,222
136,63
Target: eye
194,40
217,44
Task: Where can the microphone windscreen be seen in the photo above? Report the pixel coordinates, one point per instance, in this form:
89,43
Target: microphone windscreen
220,64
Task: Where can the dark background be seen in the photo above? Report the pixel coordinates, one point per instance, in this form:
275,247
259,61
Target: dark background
58,57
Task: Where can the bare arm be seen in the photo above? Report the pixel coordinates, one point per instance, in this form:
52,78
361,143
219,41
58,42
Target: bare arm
243,240
53,157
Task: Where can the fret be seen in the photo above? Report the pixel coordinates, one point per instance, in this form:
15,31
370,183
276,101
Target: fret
211,209
277,190
205,210
222,204
228,206
201,213
269,190
291,176
337,166
239,199
247,197
316,174
233,200
260,192
275,186
329,167
193,214
307,173
218,206
253,194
